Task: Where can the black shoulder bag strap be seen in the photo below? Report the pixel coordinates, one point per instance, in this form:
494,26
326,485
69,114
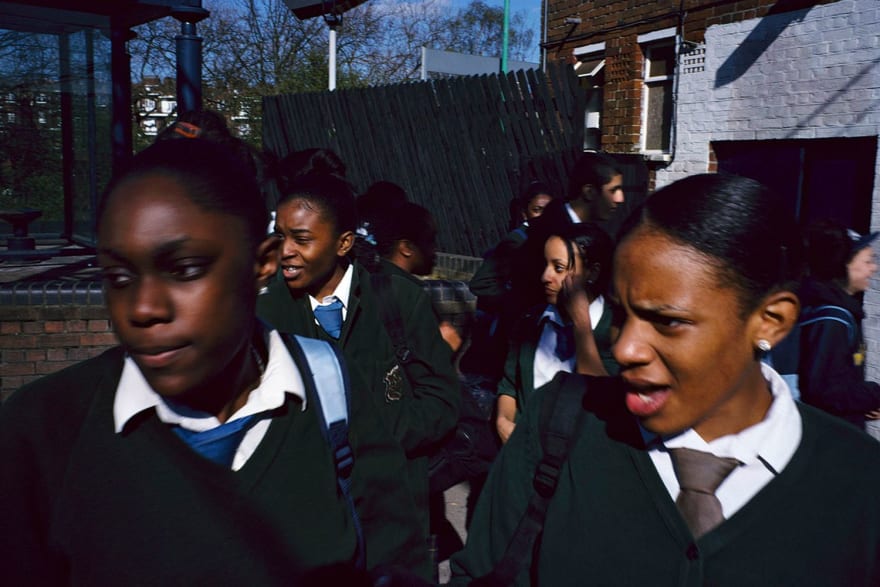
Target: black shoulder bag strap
390,312
561,414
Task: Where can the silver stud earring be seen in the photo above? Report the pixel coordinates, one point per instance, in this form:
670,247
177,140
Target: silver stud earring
764,345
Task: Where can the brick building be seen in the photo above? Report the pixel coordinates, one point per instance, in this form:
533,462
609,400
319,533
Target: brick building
785,91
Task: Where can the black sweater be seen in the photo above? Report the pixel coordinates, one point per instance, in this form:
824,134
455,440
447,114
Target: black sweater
612,521
83,505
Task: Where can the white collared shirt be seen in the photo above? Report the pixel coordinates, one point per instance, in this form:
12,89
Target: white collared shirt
281,376
547,364
769,444
575,219
341,293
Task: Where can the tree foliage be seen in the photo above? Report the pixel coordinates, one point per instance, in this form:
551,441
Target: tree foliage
254,48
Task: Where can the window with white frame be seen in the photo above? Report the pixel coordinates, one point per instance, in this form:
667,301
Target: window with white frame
657,100
590,69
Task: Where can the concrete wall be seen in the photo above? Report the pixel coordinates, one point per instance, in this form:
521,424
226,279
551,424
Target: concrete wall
806,74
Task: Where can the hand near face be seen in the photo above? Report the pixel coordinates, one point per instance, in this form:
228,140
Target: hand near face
574,301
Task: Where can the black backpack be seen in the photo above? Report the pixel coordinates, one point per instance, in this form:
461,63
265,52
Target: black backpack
562,413
471,447
785,357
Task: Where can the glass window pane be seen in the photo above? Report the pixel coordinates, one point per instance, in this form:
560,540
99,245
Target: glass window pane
30,132
662,60
659,116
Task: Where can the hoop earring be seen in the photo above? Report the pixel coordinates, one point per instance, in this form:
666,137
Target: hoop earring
764,345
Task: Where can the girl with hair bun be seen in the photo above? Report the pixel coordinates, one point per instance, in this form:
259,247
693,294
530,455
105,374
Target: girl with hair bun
192,453
703,281
577,270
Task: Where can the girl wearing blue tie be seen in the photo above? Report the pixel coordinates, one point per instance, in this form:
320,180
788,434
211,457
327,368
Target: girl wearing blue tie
577,269
108,476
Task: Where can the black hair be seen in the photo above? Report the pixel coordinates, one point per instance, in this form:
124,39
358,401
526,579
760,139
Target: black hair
213,175
535,188
211,126
410,222
591,169
520,204
827,250
306,162
380,197
198,124
594,247
515,211
332,195
739,223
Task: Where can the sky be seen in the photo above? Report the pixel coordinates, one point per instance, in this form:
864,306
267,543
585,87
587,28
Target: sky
531,9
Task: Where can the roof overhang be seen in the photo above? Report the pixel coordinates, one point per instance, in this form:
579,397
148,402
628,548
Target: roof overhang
304,9
58,16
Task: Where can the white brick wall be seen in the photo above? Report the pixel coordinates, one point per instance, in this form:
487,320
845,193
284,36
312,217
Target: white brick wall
806,74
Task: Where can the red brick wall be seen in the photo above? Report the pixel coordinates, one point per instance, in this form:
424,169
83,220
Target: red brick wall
37,340
42,338
618,23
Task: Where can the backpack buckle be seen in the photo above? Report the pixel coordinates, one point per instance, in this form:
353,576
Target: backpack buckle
403,355
546,478
344,460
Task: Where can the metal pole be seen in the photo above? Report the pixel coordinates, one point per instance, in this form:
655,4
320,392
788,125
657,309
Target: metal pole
189,69
121,135
68,155
544,38
333,21
505,35
332,58
92,127
189,58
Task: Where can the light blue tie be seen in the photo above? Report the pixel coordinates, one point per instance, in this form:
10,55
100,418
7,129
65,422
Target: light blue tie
329,317
218,444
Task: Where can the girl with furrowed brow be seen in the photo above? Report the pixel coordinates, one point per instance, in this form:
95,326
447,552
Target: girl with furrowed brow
702,470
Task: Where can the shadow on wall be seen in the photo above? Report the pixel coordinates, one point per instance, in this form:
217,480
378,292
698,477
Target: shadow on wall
762,36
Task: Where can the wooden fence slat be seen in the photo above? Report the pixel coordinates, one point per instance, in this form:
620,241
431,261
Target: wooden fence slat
460,147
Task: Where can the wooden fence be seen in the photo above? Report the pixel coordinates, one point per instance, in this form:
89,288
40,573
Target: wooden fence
462,147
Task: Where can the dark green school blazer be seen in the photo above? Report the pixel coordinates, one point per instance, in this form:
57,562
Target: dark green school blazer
83,505
421,407
519,368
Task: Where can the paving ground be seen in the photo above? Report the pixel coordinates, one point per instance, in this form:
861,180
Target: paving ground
456,502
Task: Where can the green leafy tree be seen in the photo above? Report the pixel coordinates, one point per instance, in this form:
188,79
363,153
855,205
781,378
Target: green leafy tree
478,29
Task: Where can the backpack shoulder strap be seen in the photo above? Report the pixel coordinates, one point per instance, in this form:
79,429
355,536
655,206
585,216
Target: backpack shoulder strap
835,314
328,381
389,310
561,414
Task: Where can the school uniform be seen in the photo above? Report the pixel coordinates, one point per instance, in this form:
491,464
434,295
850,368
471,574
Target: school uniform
420,407
491,282
831,369
95,490
420,414
532,360
806,510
